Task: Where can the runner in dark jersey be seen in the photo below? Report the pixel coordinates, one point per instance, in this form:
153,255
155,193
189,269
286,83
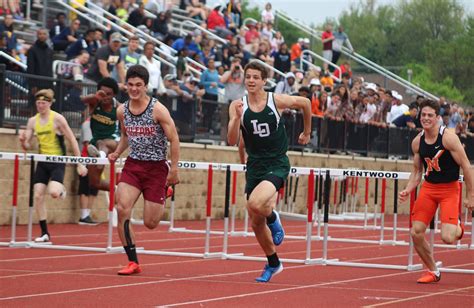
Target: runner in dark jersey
441,154
257,116
146,127
102,108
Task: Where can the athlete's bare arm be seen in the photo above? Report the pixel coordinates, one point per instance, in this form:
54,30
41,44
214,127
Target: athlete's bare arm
26,135
235,114
452,143
63,127
162,116
123,144
242,150
416,173
284,101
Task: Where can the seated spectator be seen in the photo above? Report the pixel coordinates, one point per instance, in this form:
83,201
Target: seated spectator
282,58
60,24
171,84
235,9
67,36
123,10
267,14
327,82
296,49
196,10
108,57
267,32
190,43
216,22
99,37
160,26
287,85
137,16
155,83
7,28
79,70
407,118
276,41
345,69
252,34
87,43
304,92
155,7
11,7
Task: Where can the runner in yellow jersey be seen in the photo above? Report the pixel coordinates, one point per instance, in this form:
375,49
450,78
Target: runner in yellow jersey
50,129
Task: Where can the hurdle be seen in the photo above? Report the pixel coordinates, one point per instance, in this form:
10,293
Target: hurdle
306,259
47,158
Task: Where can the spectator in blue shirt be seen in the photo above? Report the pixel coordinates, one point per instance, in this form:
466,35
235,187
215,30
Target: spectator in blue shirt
87,42
191,45
407,119
67,36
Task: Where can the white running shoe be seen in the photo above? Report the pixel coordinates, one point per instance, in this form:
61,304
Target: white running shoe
42,239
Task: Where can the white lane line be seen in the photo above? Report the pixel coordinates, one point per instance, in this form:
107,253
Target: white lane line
421,296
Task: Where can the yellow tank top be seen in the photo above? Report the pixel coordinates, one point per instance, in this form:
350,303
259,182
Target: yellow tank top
49,142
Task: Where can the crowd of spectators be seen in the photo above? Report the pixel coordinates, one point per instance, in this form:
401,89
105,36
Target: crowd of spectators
95,53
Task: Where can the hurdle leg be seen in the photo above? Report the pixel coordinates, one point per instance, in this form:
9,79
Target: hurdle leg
365,215
472,230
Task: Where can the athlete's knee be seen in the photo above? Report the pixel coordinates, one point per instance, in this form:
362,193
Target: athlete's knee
37,195
151,223
123,210
448,237
254,205
417,233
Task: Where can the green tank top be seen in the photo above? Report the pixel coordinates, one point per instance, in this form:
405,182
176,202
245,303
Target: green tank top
103,124
263,132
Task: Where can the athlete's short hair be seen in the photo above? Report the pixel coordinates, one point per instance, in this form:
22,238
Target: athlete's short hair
138,71
254,65
109,83
430,103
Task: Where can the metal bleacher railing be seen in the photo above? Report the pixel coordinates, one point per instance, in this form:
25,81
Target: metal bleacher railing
200,120
358,58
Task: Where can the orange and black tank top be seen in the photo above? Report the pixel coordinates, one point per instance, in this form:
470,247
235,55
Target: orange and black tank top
440,166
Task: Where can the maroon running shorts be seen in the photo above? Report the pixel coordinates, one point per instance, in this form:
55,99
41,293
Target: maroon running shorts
148,176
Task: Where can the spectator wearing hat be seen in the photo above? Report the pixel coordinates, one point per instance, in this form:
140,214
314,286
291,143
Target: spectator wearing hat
108,57
252,35
340,38
397,109
153,66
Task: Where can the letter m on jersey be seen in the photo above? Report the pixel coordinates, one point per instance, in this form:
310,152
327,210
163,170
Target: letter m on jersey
261,129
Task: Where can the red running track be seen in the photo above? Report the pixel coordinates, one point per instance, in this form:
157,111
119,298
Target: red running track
40,277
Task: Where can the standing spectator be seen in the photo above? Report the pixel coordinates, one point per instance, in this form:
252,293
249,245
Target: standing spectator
340,37
233,81
160,26
276,41
397,109
327,82
67,36
317,99
137,16
153,66
287,85
106,59
283,59
40,60
60,24
454,117
267,14
267,32
99,37
369,110
327,39
210,81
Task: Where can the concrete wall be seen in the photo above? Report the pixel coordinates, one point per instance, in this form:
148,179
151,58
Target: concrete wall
190,193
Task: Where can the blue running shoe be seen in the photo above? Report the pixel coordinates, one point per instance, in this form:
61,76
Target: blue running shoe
269,272
278,234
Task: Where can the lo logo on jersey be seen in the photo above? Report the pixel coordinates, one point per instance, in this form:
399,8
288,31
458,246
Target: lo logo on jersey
261,129
432,164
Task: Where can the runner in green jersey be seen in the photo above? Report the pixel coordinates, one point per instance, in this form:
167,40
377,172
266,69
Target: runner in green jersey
257,116
103,123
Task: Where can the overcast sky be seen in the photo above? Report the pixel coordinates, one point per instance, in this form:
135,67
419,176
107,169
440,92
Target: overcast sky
316,11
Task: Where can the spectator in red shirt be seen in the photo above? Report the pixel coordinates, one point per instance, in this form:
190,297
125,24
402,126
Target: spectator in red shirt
215,19
345,68
327,38
251,34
